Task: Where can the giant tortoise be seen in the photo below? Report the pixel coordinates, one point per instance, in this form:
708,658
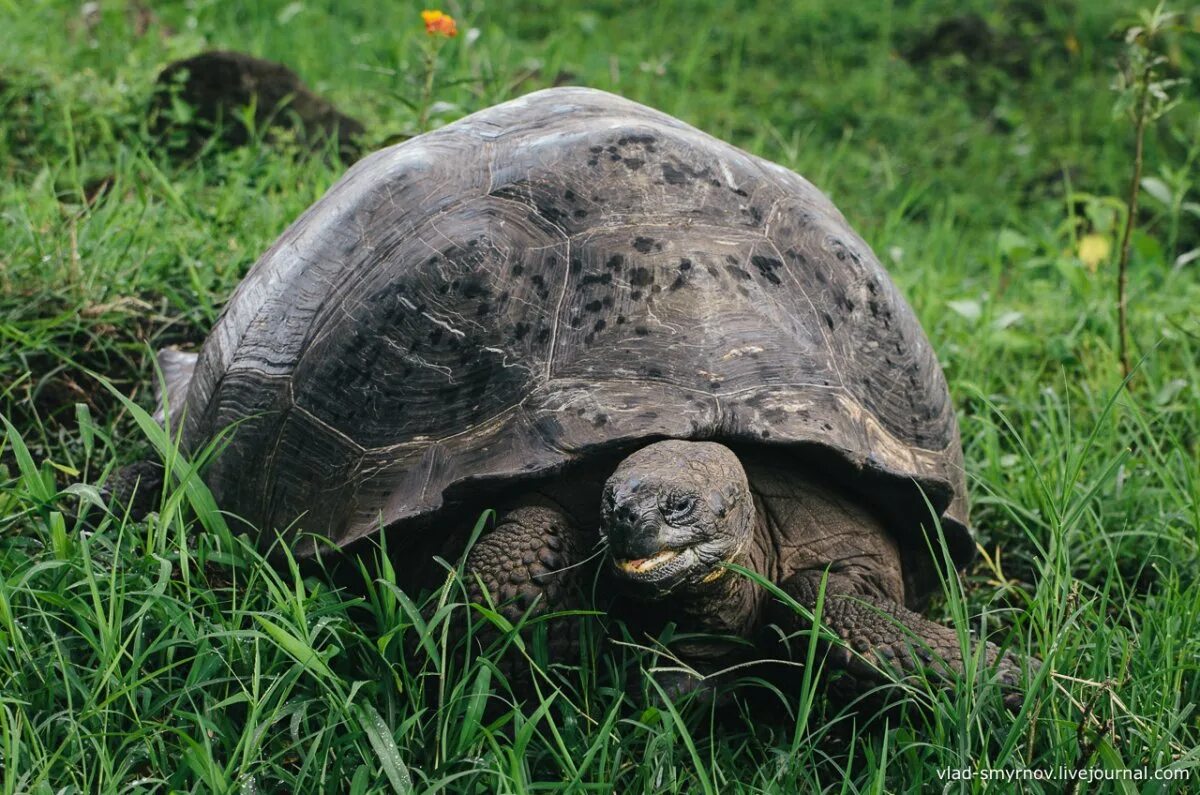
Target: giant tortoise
625,335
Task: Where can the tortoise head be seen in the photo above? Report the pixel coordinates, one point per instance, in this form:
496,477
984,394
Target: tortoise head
673,511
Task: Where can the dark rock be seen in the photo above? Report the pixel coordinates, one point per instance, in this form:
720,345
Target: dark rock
218,85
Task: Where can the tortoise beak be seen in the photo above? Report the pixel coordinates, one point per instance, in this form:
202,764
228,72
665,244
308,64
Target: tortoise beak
633,537
646,565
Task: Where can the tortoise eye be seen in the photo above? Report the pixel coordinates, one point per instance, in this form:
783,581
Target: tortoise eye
680,507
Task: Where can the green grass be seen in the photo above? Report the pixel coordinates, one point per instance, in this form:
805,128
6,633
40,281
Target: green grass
169,655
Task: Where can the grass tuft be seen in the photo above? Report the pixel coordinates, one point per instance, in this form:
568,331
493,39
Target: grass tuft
972,145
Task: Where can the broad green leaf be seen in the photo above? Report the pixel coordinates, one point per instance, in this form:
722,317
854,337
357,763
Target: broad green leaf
384,744
31,477
301,651
1157,189
967,308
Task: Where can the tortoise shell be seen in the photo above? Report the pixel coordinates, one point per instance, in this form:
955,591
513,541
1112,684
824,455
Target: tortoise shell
559,275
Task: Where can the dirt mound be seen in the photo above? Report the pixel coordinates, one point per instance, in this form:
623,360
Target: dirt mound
217,86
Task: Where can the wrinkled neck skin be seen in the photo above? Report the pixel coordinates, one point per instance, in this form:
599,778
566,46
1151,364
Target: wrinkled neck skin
798,525
732,603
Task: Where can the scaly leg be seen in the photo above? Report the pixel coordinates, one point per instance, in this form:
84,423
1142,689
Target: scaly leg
529,566
892,636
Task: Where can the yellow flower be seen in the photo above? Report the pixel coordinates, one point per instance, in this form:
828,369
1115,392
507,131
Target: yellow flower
439,24
1093,249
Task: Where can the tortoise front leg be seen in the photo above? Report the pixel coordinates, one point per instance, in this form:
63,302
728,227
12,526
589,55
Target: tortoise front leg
531,565
878,633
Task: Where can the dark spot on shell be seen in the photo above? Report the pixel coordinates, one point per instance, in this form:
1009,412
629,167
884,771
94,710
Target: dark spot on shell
685,264
615,262
680,281
518,269
596,278
654,372
593,306
641,331
593,161
828,319
549,213
614,157
739,192
766,266
633,164
537,280
775,415
569,195
643,244
738,272
764,433
608,301
600,420
596,150
600,325
640,277
543,335
520,330
576,321
474,288
611,149
620,320
482,310
580,213
675,176
635,295
576,265
435,336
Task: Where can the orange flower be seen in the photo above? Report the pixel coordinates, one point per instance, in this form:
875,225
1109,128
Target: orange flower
439,24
